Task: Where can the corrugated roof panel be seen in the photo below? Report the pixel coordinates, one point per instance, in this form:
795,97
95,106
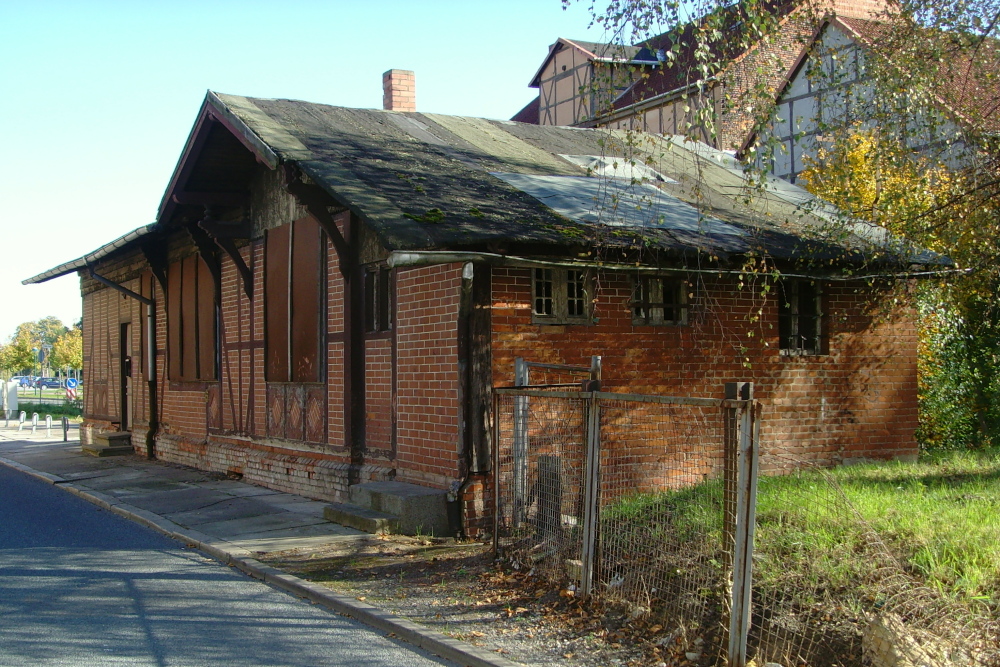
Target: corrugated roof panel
617,202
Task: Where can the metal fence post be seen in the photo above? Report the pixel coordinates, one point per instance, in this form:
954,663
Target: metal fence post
746,508
591,485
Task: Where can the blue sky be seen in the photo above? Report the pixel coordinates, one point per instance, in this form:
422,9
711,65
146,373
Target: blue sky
97,98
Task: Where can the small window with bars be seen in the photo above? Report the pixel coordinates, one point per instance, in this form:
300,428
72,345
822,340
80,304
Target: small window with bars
658,300
560,296
800,318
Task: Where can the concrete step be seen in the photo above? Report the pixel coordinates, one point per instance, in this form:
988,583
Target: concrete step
420,510
361,518
111,443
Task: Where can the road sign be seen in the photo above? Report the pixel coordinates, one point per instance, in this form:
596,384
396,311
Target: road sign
71,383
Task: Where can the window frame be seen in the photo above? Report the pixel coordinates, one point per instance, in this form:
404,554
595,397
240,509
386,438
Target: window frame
561,296
798,306
379,306
649,295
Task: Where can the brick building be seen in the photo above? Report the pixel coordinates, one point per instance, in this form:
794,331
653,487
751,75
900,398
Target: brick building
328,295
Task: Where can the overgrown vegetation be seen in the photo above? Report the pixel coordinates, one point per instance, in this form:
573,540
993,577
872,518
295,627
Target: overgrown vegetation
940,518
871,176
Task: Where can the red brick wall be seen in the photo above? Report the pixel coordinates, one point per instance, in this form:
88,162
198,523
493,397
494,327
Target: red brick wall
427,375
378,394
858,401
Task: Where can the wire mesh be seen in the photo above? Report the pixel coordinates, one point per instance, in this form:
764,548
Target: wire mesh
661,540
827,589
540,466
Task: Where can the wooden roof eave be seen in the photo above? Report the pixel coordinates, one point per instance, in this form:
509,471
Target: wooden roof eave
213,110
537,78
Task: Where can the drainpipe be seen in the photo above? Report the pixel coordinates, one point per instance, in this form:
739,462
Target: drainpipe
150,342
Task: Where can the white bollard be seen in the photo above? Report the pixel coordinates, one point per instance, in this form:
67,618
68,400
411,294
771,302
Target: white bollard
48,426
20,420
34,422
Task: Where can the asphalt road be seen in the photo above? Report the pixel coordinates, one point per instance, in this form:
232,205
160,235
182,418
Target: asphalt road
80,586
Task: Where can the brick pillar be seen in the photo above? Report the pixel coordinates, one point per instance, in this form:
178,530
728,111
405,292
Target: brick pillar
399,92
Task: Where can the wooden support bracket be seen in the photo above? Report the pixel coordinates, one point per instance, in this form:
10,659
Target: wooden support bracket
156,255
318,203
225,234
208,253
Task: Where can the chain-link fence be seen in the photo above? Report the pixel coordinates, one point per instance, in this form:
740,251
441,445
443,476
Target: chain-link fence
650,501
614,492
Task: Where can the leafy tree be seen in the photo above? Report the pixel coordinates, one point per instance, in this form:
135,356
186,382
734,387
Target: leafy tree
47,330
18,356
67,351
875,178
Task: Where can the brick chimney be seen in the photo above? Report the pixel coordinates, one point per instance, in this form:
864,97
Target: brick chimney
399,92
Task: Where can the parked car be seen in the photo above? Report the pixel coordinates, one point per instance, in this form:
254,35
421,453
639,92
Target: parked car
48,383
24,380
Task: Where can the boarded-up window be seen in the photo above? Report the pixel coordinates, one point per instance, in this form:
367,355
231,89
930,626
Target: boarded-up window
293,290
191,321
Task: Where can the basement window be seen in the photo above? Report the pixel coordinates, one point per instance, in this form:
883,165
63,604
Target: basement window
657,300
560,296
800,318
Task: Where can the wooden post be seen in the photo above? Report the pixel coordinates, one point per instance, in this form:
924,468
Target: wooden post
733,391
591,485
746,509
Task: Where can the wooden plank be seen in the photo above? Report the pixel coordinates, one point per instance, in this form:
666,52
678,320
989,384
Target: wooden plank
207,337
174,333
189,317
305,306
276,266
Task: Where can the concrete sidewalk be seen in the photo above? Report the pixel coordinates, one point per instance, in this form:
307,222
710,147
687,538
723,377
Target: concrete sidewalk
240,519
230,520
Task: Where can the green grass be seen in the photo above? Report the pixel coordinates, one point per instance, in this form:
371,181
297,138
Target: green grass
940,518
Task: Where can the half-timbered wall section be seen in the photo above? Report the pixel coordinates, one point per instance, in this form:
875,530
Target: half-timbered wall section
104,312
563,86
829,91
261,386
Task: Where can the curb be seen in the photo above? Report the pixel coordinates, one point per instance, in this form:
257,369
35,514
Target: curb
226,553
